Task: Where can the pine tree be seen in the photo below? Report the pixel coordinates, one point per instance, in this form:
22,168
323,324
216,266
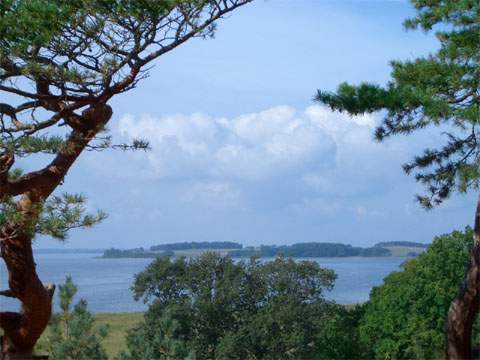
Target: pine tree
61,63
442,91
72,335
161,341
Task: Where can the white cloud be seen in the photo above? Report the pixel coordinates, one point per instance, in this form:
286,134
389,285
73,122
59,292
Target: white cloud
216,195
282,156
253,146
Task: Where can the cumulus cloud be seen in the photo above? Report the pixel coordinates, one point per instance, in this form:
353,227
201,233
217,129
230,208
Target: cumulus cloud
215,195
253,146
281,156
274,176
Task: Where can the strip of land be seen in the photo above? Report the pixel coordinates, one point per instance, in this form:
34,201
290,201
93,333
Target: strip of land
298,250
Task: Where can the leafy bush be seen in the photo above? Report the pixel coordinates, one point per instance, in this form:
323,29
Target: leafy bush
212,307
406,317
339,337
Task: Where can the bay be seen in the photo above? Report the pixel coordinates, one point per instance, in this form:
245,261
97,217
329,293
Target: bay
105,283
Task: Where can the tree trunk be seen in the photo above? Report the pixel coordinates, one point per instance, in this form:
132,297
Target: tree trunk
464,308
23,329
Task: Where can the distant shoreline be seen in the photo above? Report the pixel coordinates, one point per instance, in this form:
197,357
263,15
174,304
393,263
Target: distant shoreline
269,257
60,252
297,250
68,251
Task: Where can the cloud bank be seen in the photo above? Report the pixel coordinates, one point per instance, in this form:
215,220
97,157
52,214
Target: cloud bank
254,146
277,158
281,175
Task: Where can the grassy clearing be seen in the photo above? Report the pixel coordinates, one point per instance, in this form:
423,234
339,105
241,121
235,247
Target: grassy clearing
118,323
198,252
404,250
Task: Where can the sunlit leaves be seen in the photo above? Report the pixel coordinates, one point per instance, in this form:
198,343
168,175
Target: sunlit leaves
219,308
406,316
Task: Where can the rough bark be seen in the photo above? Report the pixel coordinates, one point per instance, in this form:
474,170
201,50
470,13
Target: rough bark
23,329
464,308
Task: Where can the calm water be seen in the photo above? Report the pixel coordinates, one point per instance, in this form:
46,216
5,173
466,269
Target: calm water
105,283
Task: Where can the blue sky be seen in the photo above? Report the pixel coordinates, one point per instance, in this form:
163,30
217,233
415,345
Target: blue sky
241,152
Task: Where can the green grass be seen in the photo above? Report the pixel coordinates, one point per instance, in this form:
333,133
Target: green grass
118,323
198,252
404,250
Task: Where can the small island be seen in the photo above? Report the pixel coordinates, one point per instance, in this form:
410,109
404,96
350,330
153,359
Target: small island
298,250
134,253
173,249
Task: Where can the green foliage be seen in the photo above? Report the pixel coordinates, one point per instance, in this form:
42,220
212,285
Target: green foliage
439,90
339,337
58,215
46,23
32,145
57,40
406,316
71,335
218,308
9,215
163,338
31,23
8,212
283,329
63,213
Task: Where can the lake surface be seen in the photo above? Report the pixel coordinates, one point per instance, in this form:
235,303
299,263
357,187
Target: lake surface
105,283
